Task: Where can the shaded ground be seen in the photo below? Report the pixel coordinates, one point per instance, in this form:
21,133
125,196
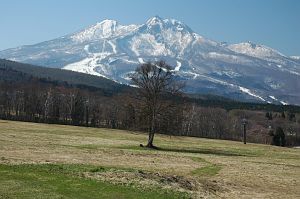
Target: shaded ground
197,167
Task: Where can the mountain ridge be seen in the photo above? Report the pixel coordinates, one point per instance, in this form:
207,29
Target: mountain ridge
241,71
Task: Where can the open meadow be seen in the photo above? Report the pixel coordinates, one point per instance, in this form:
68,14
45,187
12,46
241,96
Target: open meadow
57,161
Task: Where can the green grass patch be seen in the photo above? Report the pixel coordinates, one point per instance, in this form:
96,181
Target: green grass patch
198,159
209,170
64,181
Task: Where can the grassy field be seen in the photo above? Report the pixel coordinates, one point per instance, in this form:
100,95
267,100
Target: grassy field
56,161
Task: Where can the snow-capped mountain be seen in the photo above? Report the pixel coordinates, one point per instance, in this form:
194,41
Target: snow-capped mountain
241,71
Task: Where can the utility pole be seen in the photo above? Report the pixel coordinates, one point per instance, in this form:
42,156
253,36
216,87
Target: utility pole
244,123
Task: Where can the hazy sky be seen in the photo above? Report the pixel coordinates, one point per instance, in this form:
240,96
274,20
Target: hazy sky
275,23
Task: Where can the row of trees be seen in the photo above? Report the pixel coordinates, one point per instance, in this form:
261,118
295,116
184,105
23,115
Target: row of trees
45,103
155,108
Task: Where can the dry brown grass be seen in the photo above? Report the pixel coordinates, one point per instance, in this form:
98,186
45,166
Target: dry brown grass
246,171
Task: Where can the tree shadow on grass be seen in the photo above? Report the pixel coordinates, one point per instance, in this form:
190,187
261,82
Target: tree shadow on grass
219,152
207,151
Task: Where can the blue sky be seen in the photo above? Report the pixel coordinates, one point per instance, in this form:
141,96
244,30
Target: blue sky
275,23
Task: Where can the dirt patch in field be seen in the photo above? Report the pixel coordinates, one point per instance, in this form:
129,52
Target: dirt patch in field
153,180
144,179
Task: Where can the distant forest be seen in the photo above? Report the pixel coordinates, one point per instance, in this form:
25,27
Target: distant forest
37,94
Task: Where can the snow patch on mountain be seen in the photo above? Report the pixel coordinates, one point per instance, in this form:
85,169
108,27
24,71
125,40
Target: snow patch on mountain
141,60
146,44
231,85
295,57
84,66
255,50
273,98
86,49
90,65
294,72
103,30
246,90
113,47
227,57
178,66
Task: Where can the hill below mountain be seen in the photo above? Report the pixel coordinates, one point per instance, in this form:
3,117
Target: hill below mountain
18,72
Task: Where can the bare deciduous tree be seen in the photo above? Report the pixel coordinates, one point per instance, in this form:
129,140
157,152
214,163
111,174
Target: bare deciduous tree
155,80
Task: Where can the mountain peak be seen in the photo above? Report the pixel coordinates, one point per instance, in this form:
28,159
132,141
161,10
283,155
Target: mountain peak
103,29
255,50
154,20
108,22
107,27
159,23
251,44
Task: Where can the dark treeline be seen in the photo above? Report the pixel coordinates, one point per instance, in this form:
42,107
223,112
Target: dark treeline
37,100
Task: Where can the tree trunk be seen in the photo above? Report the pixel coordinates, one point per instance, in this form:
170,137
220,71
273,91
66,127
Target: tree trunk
152,130
150,140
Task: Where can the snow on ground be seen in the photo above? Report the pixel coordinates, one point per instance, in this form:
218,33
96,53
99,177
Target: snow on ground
141,60
178,66
146,44
295,57
86,49
243,89
88,65
273,98
255,50
246,90
295,73
83,66
228,58
283,103
113,47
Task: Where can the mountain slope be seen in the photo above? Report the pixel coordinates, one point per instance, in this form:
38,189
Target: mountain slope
18,72
241,71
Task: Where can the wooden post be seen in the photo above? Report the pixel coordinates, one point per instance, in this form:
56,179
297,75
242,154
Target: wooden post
244,122
245,136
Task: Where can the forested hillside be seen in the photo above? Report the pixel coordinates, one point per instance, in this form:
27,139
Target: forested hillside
59,75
